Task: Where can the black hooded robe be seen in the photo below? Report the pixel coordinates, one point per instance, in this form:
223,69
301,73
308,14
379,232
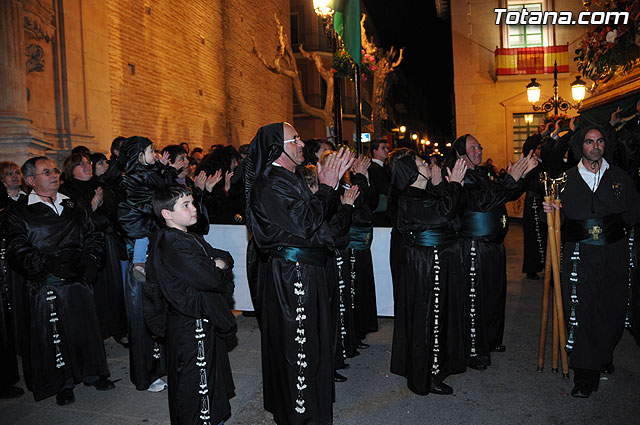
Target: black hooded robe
602,288
533,226
39,241
198,311
294,306
483,251
429,324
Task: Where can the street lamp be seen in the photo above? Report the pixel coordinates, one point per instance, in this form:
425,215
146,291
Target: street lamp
403,129
555,103
322,8
414,136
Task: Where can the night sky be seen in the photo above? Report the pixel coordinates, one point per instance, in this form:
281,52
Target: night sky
425,83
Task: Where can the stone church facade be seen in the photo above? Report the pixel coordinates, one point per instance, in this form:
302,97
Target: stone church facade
81,72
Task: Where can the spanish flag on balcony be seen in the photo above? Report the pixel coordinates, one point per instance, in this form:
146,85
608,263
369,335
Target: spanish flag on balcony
531,60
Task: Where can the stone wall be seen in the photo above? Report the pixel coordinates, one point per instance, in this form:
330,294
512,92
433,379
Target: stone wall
185,71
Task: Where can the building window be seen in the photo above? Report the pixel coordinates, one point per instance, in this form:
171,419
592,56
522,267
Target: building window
295,33
521,36
525,35
524,125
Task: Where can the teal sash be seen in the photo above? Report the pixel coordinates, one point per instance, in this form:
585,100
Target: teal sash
310,256
360,238
53,280
432,237
595,231
476,224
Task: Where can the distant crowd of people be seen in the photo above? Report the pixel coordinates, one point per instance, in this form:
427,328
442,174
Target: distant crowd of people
114,248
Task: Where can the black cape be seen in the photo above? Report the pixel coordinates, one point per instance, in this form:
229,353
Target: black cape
284,213
45,247
198,310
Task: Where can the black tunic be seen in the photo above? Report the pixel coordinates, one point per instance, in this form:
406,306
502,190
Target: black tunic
428,334
108,287
197,294
41,243
489,279
602,270
284,213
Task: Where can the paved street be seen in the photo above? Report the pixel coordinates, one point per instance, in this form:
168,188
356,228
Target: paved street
509,392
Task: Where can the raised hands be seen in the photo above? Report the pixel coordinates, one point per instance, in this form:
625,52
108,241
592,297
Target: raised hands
361,165
615,117
98,199
200,180
334,167
458,172
213,180
227,180
349,196
522,166
164,159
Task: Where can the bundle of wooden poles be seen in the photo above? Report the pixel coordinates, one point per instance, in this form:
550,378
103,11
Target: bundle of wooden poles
552,188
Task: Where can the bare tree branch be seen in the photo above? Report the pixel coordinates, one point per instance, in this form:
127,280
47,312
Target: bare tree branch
284,63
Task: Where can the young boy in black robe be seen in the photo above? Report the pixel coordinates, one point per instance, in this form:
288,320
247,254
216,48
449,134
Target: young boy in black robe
196,285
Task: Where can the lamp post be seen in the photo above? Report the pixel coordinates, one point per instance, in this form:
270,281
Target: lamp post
325,12
556,102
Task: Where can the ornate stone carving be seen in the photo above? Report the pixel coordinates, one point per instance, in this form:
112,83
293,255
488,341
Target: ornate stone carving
35,58
39,20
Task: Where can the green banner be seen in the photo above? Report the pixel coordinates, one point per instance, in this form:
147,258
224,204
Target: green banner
346,22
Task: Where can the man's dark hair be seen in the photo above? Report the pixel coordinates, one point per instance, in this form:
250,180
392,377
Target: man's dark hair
196,150
165,198
174,151
186,148
310,150
116,144
29,167
375,145
81,150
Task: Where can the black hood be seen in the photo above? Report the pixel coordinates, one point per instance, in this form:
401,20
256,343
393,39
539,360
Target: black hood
130,150
266,147
459,148
405,172
577,140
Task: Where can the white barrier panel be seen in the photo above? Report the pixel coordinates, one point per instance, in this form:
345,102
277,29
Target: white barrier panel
233,238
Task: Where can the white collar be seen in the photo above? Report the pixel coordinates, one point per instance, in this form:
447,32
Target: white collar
592,179
377,161
56,206
20,192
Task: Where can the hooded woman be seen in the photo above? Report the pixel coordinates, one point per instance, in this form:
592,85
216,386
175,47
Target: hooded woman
428,326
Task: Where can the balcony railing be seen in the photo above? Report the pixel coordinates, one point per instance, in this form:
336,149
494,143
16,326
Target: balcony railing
531,60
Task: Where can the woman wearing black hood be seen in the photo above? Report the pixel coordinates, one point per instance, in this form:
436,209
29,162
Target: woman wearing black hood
81,185
598,201
484,225
429,323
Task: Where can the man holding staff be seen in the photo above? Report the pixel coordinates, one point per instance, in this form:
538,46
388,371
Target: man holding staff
598,201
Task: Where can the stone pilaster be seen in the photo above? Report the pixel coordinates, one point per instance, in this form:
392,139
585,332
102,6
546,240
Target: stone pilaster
18,139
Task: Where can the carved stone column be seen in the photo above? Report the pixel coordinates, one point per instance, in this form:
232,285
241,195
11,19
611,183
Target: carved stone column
18,139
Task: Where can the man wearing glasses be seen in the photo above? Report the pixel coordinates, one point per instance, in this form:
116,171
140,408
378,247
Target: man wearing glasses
52,242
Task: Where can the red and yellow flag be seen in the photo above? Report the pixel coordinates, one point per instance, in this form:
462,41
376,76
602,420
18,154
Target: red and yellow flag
531,60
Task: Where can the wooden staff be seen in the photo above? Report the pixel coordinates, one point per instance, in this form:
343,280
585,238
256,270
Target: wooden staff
544,317
552,267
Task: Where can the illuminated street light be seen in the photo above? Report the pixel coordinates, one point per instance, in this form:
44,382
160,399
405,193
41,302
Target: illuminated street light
414,136
428,142
322,8
448,145
424,142
555,103
403,129
435,145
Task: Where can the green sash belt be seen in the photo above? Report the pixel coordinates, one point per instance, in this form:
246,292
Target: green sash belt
53,280
476,224
360,238
310,256
432,237
595,231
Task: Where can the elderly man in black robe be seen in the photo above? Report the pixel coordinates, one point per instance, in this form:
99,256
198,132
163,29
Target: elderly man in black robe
598,201
52,242
292,294
484,225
